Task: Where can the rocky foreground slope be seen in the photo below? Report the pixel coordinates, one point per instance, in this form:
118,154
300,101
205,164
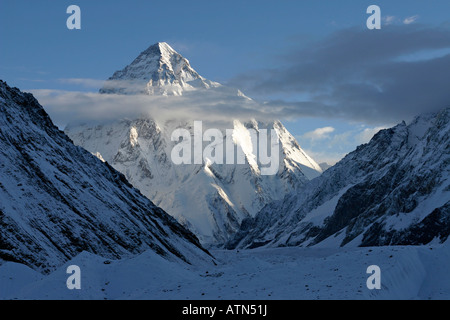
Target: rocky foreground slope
57,200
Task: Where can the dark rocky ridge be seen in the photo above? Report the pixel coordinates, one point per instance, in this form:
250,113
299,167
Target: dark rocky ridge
57,200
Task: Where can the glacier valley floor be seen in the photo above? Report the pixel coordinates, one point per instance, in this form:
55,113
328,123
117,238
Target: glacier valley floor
260,274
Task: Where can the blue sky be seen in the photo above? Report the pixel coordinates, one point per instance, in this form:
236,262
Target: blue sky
223,40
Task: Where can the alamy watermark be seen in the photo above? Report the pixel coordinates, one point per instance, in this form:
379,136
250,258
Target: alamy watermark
261,148
74,21
374,280
374,21
74,280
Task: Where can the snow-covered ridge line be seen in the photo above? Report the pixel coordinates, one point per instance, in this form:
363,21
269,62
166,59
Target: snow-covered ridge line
57,200
395,190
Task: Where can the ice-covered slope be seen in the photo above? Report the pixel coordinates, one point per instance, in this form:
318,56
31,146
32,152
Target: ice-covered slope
395,190
57,200
210,199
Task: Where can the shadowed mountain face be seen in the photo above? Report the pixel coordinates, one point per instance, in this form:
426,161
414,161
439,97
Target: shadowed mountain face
395,190
57,200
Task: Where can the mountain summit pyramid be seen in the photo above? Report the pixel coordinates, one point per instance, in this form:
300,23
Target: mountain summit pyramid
159,70
209,199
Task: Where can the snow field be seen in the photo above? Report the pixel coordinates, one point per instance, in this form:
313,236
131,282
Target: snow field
261,274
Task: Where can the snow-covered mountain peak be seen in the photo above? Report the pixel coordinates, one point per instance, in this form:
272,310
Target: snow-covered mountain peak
162,48
167,59
159,70
210,198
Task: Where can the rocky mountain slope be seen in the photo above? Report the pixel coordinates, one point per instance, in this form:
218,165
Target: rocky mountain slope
395,190
57,200
210,199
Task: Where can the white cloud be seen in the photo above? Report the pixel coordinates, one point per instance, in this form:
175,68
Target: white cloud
208,105
411,19
319,134
389,20
219,104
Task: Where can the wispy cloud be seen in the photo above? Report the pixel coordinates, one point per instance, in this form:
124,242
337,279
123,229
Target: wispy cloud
220,104
319,134
387,20
31,80
411,19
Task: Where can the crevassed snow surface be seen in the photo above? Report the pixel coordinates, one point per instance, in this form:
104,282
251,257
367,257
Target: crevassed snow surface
261,274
